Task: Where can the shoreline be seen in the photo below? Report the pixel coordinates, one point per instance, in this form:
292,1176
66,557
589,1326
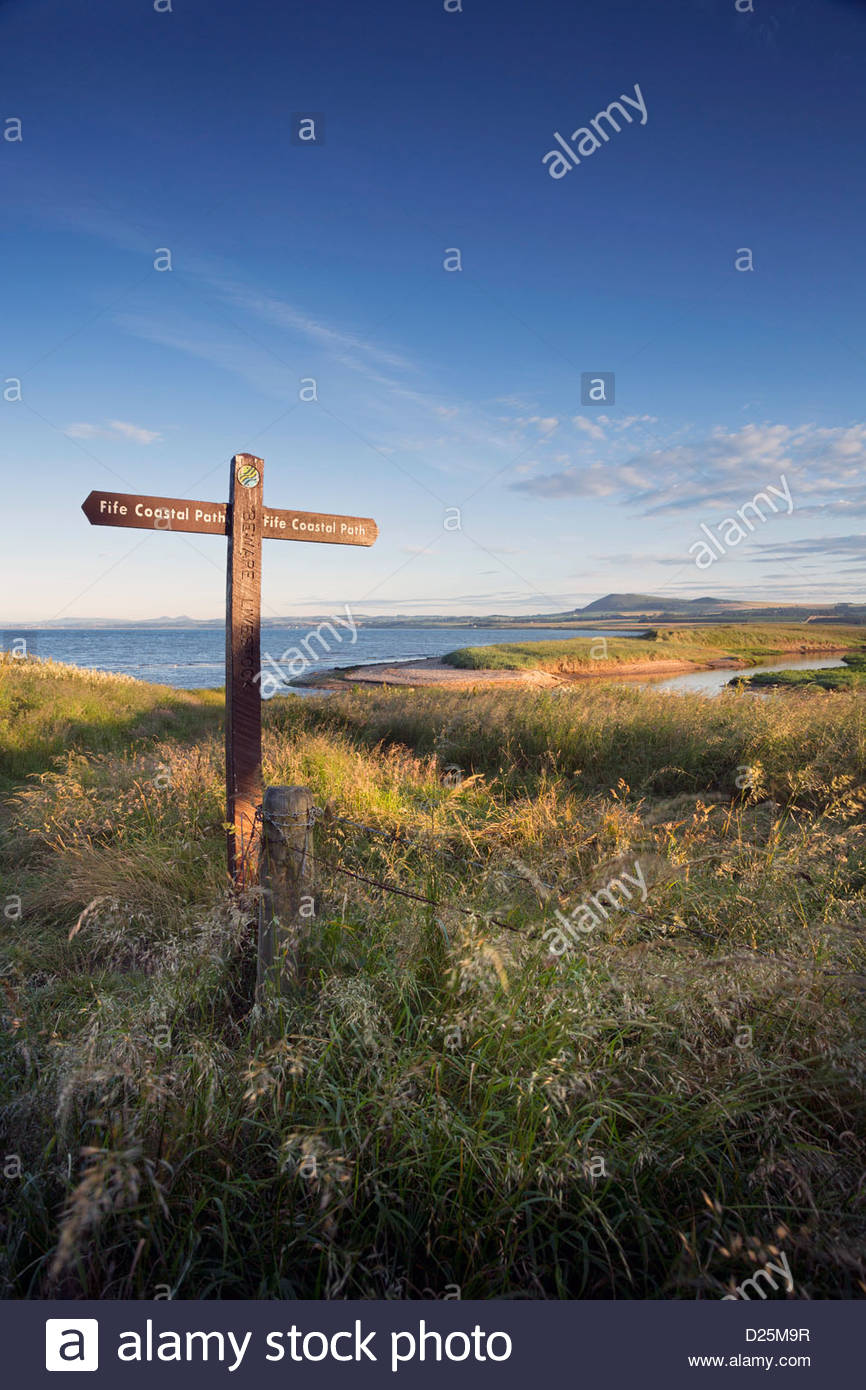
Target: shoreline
432,671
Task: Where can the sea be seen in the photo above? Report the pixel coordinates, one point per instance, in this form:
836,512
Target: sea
194,658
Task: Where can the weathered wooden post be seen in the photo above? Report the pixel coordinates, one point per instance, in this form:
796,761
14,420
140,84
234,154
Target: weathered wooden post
287,904
243,666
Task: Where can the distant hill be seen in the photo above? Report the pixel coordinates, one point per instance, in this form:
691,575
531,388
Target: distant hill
652,608
620,610
651,603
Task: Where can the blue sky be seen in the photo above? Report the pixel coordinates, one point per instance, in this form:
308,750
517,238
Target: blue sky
437,389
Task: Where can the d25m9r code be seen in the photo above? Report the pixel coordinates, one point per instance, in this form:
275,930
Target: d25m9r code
777,1334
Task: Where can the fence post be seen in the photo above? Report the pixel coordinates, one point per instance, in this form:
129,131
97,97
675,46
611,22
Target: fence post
286,910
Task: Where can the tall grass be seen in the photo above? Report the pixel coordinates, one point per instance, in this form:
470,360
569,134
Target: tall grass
749,644
589,737
46,706
444,1103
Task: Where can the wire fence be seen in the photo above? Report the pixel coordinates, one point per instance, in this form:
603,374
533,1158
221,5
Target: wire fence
319,813
328,817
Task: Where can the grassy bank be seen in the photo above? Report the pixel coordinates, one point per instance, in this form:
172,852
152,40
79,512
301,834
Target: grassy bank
697,646
447,1104
46,707
851,676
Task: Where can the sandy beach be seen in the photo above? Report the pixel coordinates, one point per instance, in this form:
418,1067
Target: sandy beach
432,671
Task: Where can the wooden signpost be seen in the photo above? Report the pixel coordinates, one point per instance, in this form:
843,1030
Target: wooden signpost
245,521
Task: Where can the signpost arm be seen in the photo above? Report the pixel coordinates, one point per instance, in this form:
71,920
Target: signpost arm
243,665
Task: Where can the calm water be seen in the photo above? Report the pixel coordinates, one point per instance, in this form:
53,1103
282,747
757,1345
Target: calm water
711,682
192,658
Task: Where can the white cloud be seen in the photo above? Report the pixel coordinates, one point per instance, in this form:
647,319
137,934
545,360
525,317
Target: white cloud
824,468
83,431
628,420
134,432
847,547
545,424
114,429
588,426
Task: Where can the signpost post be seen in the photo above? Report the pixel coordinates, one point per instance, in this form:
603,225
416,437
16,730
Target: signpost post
245,520
243,660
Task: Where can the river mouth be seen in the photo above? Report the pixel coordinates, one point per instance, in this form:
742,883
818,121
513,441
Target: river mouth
710,682
713,682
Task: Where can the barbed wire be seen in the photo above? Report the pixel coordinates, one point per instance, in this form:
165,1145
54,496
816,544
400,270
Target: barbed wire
313,814
308,820
323,813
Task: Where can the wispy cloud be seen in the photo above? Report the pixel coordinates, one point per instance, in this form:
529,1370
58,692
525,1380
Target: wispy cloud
590,427
351,348
515,598
113,429
404,398
845,547
825,467
252,363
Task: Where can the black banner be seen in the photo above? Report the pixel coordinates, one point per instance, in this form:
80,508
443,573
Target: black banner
496,1344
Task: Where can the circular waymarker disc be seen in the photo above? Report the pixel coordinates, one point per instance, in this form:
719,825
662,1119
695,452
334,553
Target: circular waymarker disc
248,475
